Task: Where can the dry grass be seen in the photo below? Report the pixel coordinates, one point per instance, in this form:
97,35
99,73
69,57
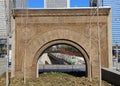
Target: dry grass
54,79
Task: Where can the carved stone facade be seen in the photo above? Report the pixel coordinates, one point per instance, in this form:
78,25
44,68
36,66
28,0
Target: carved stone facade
41,28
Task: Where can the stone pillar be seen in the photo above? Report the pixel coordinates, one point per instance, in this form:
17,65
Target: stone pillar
110,65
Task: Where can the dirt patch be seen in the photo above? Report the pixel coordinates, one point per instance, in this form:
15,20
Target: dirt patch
54,79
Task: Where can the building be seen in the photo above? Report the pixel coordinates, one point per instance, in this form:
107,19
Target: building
18,4
56,4
5,25
3,31
115,5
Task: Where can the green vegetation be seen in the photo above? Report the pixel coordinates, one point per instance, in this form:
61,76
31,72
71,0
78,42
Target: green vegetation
69,48
54,79
64,47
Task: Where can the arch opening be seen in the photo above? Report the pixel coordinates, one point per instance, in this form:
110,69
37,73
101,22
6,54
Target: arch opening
62,56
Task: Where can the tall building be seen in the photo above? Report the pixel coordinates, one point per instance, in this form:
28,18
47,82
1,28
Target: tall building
3,28
18,4
115,6
3,31
56,4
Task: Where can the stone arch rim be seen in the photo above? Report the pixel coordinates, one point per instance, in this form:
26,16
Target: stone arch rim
63,41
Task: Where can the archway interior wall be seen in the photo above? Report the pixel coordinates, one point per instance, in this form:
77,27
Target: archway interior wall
58,24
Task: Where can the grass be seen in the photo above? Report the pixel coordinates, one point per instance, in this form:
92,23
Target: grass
54,79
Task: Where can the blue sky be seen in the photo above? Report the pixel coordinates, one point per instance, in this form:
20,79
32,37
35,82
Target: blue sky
73,3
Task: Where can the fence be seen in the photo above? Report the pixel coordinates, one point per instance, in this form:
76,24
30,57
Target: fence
111,76
61,68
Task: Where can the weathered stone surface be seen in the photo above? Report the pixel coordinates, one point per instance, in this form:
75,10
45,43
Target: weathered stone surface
42,28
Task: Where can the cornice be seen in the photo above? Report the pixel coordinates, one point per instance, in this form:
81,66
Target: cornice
59,12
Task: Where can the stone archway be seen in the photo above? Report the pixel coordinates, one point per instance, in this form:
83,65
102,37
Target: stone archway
37,46
49,26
